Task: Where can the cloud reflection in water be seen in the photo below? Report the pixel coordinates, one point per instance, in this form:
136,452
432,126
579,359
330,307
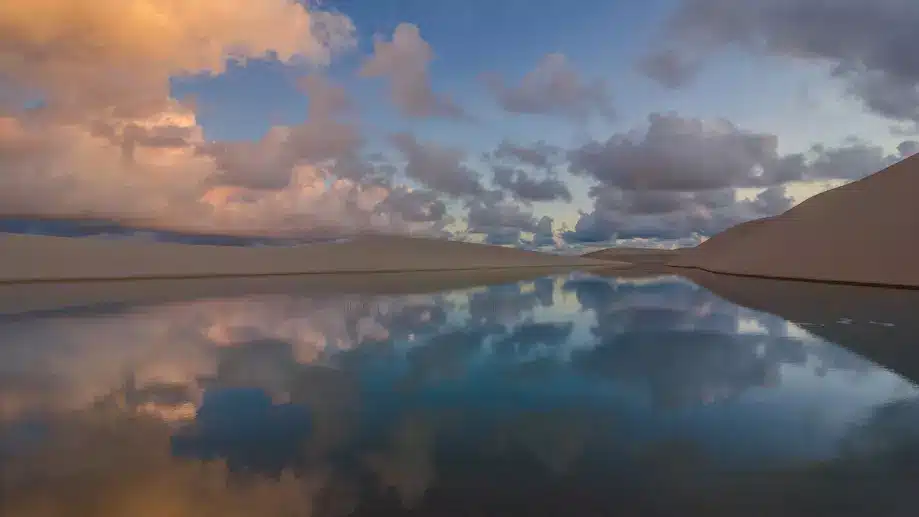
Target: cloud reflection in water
533,396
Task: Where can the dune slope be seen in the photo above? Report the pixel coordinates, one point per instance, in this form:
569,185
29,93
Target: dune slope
866,232
40,258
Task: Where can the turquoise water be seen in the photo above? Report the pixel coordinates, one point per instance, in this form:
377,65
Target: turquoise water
569,395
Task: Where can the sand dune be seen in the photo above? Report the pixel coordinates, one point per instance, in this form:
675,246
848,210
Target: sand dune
636,256
29,258
866,232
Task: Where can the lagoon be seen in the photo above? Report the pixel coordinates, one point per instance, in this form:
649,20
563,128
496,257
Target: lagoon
573,394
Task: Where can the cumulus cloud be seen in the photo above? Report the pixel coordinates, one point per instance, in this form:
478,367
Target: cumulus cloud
683,154
419,206
554,87
404,62
867,43
853,161
485,216
669,68
544,234
514,167
269,162
326,99
679,177
685,217
540,154
104,138
502,222
438,167
527,189
908,148
81,58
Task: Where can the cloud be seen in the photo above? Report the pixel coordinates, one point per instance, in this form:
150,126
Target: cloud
670,216
908,148
853,161
679,178
106,140
540,155
680,154
326,99
544,235
267,187
527,189
437,167
869,44
49,168
553,88
502,223
82,58
269,162
487,216
419,206
513,167
669,68
684,154
404,61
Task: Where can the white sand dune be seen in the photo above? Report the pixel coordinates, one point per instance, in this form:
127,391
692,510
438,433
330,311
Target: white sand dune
866,232
30,258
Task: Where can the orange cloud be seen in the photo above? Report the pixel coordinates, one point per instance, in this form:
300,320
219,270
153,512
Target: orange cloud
118,55
108,140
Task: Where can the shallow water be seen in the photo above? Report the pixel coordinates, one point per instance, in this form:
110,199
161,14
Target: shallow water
570,395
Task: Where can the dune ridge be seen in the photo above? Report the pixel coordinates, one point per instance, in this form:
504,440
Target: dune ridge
863,233
34,258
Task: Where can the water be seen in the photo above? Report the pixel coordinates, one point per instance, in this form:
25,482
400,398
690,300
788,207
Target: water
571,395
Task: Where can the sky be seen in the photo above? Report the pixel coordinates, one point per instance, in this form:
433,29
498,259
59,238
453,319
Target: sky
552,125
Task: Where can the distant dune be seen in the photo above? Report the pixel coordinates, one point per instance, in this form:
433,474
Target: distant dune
635,256
25,258
866,232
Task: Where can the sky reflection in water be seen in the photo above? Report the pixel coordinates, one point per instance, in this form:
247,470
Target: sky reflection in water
566,394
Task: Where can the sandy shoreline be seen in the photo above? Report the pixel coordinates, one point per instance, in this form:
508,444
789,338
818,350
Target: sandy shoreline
39,273
68,297
32,258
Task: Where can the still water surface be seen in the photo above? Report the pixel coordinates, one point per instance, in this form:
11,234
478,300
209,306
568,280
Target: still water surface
573,396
